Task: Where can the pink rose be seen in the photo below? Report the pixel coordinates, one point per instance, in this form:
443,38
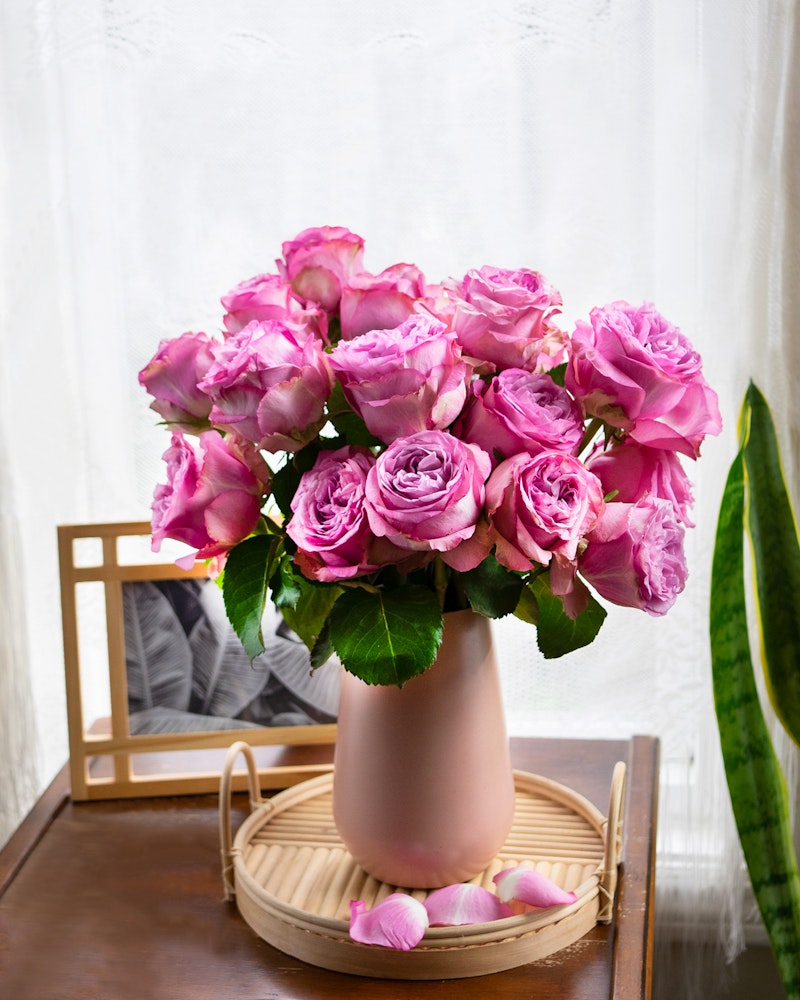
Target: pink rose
539,507
172,375
520,411
635,555
633,369
269,384
211,499
319,262
380,302
426,492
506,318
269,296
329,523
632,471
401,381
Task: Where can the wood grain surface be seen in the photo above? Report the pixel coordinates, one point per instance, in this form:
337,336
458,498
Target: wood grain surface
123,900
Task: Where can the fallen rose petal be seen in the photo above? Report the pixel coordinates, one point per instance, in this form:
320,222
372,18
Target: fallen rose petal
464,904
398,921
531,887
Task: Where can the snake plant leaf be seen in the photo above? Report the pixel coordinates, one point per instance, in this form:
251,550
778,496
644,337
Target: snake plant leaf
756,783
776,560
394,634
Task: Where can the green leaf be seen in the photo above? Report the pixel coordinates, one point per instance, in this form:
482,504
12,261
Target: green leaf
558,374
776,560
349,426
285,583
307,617
491,589
527,610
247,569
756,783
323,649
556,632
386,637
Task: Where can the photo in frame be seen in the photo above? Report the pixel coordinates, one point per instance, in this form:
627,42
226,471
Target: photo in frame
158,685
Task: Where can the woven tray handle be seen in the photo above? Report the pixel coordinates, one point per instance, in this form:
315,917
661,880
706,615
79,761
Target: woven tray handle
225,790
613,846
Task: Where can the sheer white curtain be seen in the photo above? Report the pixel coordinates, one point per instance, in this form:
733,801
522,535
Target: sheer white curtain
155,153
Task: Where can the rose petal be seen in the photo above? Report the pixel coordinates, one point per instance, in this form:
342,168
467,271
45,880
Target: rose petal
398,921
531,887
464,904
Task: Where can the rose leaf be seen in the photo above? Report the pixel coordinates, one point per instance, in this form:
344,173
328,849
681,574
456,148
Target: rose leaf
386,637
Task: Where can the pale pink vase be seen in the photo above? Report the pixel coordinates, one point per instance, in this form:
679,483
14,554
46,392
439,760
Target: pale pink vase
423,790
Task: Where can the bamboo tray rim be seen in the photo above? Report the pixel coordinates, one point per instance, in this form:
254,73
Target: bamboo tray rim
258,905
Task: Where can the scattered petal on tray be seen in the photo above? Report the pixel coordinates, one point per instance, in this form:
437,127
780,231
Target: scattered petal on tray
398,921
464,904
528,886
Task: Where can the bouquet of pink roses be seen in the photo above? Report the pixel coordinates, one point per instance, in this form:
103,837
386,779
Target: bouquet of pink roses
373,451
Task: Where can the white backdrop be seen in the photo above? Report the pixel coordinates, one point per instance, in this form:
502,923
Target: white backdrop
156,153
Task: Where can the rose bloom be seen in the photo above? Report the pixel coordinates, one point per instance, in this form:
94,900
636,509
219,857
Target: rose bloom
631,471
520,411
212,498
380,302
635,556
506,318
329,523
401,381
426,493
269,296
172,377
541,506
319,262
635,370
269,383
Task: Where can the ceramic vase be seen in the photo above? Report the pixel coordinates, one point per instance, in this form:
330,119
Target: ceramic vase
423,790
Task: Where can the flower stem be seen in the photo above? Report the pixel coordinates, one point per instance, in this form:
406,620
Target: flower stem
440,581
594,426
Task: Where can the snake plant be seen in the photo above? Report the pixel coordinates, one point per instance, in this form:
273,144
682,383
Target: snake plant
756,504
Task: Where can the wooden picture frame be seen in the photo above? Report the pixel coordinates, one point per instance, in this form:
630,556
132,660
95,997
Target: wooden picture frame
106,759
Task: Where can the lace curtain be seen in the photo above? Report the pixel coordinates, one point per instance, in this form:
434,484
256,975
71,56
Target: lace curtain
155,153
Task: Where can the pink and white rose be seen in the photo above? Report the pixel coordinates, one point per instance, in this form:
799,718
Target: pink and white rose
400,381
635,555
633,369
631,471
540,507
270,296
425,493
172,376
506,318
212,497
319,262
380,302
329,524
520,411
269,383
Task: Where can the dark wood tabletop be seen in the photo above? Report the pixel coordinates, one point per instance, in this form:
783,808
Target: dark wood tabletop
123,900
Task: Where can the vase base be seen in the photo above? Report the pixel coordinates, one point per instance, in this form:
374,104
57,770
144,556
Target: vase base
293,880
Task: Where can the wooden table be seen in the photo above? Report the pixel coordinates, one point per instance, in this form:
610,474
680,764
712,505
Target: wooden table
122,900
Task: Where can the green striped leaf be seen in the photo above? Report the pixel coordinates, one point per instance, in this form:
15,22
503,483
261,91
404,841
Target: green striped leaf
755,780
776,560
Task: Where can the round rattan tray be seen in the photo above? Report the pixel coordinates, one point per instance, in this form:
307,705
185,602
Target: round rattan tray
293,879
